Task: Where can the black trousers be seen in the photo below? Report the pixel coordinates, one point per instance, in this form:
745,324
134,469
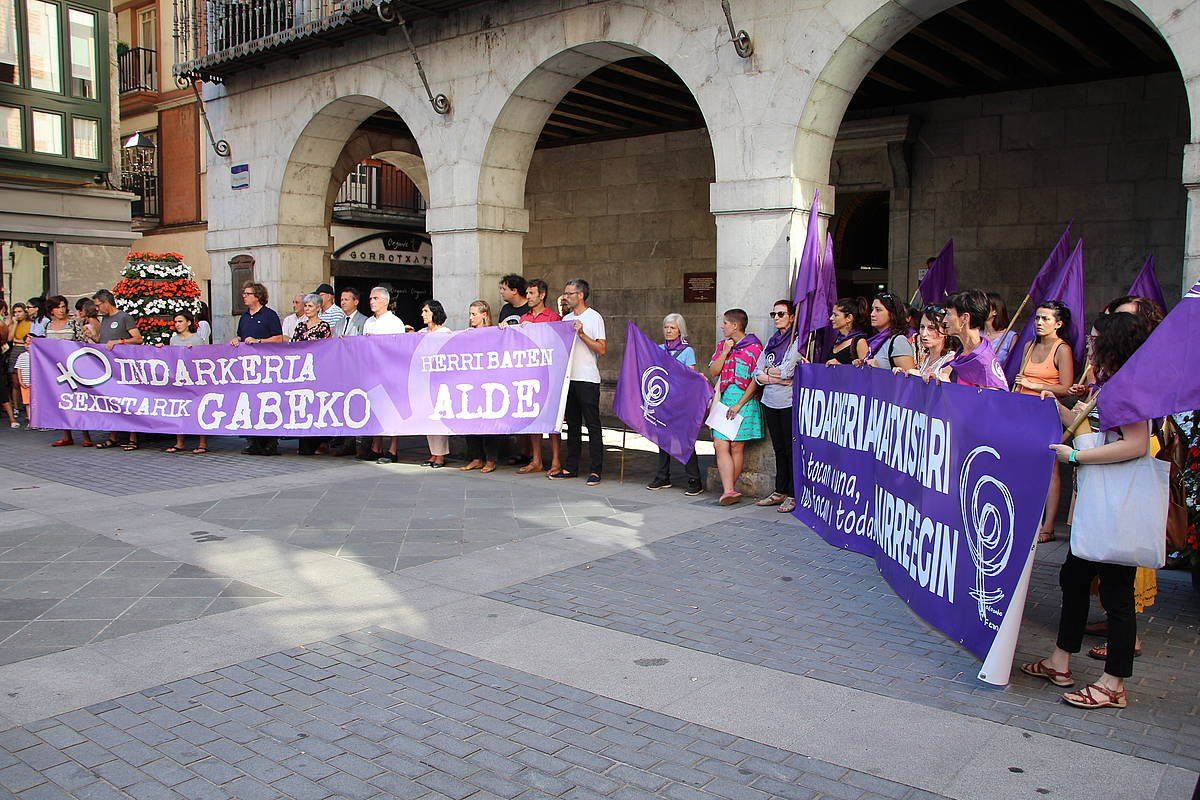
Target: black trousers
583,408
779,425
691,468
483,448
1116,595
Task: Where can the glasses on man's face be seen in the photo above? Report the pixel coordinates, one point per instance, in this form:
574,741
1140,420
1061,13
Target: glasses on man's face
778,314
247,294
571,294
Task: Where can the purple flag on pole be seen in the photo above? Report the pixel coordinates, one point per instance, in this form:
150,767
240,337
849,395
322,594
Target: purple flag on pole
808,277
1160,377
941,279
830,292
1146,285
659,397
1069,291
1047,277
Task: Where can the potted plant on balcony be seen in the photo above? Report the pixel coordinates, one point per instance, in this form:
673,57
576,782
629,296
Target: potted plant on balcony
122,48
154,287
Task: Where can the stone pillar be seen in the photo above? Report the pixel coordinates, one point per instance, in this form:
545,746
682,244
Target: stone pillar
1191,228
761,226
473,246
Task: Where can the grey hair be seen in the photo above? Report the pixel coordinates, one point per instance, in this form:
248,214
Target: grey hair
313,298
386,292
677,321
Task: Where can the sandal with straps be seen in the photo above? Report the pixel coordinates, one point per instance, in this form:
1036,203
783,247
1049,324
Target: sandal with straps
1103,698
1039,669
1100,652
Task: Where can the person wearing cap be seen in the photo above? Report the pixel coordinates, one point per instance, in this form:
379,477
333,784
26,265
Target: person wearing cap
331,312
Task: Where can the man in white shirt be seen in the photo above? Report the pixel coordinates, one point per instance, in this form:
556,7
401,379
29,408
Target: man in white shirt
293,319
381,321
330,311
352,325
583,390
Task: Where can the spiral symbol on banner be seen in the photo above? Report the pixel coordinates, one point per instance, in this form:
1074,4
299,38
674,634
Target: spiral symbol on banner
988,521
655,388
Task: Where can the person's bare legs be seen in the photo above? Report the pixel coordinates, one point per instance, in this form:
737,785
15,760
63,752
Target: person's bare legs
1046,531
533,444
725,464
555,453
738,451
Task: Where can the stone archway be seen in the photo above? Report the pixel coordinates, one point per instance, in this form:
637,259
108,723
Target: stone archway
869,35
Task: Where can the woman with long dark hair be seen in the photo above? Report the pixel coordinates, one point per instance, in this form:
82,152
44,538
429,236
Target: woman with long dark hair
1117,340
890,347
1047,365
935,349
848,320
433,314
996,324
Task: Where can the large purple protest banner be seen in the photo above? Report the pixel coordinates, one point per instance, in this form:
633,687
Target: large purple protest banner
942,485
486,381
659,397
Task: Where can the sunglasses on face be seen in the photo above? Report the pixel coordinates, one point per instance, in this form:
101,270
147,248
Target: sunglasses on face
937,312
778,314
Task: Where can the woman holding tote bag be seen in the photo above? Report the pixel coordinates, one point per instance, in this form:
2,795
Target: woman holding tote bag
1123,334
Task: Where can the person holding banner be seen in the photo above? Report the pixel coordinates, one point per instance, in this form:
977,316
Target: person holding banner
1047,365
1113,347
976,364
676,344
311,328
536,310
773,373
483,449
889,347
186,334
733,365
433,314
848,320
936,349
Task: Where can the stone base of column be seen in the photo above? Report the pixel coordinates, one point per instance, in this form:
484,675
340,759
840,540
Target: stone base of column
758,471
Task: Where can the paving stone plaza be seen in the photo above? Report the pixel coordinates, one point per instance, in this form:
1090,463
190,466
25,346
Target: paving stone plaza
234,627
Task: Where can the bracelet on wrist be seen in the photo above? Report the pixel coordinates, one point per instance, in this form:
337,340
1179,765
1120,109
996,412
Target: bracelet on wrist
1071,459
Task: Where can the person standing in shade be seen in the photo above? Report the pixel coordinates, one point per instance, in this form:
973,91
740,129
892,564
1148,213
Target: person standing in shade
116,327
290,321
676,344
976,364
889,346
513,290
482,449
257,325
382,322
352,325
848,320
433,314
773,373
935,350
733,365
536,292
583,390
331,312
998,322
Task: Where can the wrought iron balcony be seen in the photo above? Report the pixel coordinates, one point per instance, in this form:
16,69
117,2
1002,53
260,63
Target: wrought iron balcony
145,186
214,38
137,68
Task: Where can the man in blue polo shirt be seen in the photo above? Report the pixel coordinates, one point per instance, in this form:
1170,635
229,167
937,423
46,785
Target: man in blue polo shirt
258,324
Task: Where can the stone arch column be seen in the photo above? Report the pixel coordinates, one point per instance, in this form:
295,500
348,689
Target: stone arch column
870,28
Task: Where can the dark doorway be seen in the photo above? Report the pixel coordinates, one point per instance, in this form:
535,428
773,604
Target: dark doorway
860,240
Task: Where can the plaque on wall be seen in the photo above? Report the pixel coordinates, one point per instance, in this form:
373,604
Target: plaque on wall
699,287
241,272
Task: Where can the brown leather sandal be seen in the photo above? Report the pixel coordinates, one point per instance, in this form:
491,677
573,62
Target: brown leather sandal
1038,669
1103,698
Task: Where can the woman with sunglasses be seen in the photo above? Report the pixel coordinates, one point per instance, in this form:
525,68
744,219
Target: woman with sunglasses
935,350
1047,365
773,373
849,319
890,347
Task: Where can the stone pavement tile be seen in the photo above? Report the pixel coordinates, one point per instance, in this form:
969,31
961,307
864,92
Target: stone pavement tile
432,734
773,594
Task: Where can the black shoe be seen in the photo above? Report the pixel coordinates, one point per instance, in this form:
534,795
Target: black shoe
593,479
252,450
694,489
368,455
562,474
659,483
270,450
386,458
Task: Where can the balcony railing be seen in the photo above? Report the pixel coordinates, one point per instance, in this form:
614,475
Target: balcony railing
378,188
138,70
145,186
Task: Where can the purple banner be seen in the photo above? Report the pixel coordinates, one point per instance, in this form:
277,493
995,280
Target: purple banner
486,381
942,485
659,397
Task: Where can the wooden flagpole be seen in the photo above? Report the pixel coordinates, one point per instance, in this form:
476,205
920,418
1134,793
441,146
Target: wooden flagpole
1083,412
914,297
1013,319
623,432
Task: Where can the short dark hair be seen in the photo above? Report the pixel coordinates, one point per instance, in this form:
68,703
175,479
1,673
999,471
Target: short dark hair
103,296
738,317
353,292
259,290
581,286
188,315
54,301
788,304
539,284
81,302
897,311
514,282
930,260
1147,309
436,312
973,302
997,304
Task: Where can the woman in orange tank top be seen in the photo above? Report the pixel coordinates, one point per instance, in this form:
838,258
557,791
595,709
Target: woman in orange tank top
1047,365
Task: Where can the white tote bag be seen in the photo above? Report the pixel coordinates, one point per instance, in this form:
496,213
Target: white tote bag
1121,509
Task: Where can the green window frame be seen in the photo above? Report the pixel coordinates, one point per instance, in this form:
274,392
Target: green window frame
73,74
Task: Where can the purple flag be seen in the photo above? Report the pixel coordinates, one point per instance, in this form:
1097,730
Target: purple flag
979,368
1069,291
483,381
659,397
808,278
830,293
941,279
1048,276
1146,285
1160,378
903,472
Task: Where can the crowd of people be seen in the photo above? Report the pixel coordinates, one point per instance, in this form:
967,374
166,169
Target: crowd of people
967,339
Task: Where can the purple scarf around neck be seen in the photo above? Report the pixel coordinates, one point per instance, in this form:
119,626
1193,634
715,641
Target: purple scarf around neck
777,346
877,341
979,368
676,346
